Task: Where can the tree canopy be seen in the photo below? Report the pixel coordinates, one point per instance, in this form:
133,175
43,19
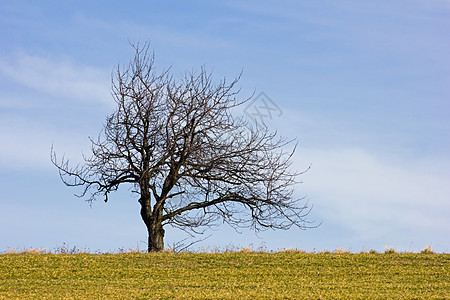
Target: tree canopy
192,161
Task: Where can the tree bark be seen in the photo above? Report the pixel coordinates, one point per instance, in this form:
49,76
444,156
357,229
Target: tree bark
155,237
153,222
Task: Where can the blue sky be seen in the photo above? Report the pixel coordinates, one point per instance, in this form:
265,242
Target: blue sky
364,85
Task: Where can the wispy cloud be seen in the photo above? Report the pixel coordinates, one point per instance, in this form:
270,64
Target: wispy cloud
28,143
60,77
373,197
29,123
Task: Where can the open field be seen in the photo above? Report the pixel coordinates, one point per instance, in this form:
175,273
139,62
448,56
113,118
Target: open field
232,275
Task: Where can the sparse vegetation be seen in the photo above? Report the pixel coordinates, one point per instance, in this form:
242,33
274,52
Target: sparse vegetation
427,250
227,275
390,251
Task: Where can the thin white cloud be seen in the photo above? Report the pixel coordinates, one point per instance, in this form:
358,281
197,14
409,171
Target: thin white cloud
58,77
27,143
375,198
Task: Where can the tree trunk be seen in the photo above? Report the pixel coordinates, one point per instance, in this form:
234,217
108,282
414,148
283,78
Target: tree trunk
153,221
155,237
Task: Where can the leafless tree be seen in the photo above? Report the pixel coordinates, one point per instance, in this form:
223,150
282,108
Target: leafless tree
192,162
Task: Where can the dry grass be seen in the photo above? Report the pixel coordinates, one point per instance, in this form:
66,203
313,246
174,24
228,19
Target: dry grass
26,251
245,274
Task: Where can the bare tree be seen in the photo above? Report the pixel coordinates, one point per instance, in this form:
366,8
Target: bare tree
192,162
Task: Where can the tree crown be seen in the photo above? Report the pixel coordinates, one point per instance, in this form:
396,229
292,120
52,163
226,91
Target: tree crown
191,160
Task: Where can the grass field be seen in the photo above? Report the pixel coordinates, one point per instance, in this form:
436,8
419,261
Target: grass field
232,275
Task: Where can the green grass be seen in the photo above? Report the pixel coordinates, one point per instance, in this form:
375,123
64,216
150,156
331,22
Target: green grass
232,275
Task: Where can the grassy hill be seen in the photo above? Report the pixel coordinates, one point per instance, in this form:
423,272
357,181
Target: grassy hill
232,275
